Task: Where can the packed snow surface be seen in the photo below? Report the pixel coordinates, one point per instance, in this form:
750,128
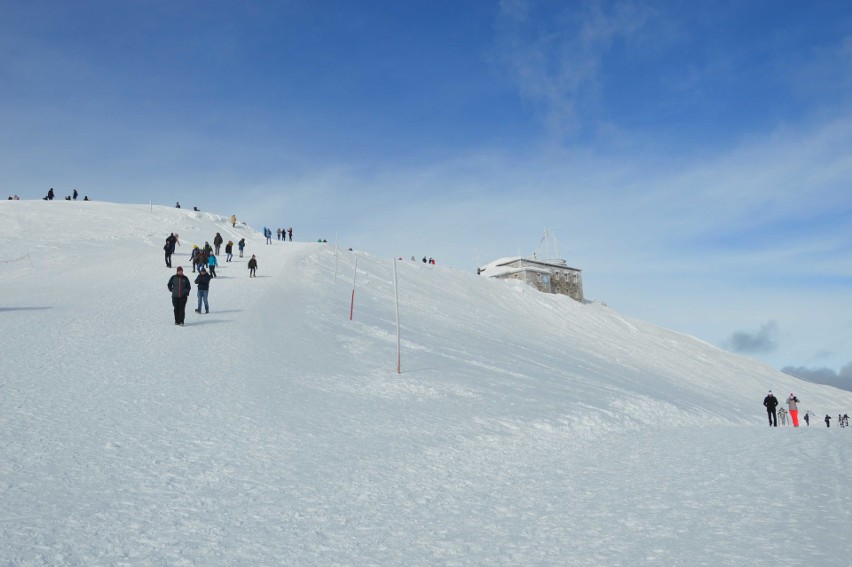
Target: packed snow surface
523,429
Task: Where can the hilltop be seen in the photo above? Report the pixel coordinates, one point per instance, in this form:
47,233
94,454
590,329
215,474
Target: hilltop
523,428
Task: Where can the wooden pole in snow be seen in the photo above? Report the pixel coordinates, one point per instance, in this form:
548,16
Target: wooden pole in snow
352,304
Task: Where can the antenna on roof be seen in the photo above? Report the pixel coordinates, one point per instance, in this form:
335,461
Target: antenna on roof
546,239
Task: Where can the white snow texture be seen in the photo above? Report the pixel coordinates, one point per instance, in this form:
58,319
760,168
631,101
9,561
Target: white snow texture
524,428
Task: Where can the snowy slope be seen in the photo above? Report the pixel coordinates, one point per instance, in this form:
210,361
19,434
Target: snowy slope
524,428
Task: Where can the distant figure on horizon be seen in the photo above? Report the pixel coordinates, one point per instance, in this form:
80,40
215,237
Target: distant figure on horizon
290,233
793,404
86,198
177,205
196,209
179,286
50,194
770,402
278,234
252,266
74,195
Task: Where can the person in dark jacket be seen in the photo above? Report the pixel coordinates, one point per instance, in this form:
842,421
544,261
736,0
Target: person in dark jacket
229,250
252,266
241,245
770,402
50,194
75,194
217,242
179,286
169,247
203,283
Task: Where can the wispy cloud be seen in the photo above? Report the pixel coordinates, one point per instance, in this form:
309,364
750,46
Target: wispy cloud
556,59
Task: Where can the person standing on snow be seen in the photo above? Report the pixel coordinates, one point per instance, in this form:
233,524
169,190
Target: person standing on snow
241,244
252,266
827,420
770,402
203,283
229,250
217,242
233,221
212,263
793,404
179,286
169,248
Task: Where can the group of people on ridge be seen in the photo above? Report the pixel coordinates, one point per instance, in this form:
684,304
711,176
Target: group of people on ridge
770,402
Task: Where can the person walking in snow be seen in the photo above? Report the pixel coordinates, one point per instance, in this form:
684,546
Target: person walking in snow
169,248
827,420
278,233
74,195
241,244
217,242
229,250
808,418
193,256
211,264
770,402
793,405
233,221
203,283
290,233
179,286
252,266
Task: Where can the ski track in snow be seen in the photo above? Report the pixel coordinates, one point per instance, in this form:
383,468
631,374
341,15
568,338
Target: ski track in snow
524,429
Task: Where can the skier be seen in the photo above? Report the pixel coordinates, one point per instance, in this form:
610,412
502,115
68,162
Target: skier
179,286
252,266
212,263
792,403
770,402
808,418
241,244
169,248
217,242
229,249
203,282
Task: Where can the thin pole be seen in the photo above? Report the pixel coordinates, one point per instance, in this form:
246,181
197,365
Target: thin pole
352,304
398,348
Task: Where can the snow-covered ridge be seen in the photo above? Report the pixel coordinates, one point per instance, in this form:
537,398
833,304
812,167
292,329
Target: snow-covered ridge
275,429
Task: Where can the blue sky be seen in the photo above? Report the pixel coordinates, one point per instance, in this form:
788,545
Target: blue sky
692,158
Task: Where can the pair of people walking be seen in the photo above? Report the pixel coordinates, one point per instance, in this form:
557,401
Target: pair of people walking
770,402
180,287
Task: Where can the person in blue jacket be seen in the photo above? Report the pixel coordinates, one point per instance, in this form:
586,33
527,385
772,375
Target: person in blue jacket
203,283
212,263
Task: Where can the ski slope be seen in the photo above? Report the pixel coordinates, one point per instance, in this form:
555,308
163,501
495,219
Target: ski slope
523,429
